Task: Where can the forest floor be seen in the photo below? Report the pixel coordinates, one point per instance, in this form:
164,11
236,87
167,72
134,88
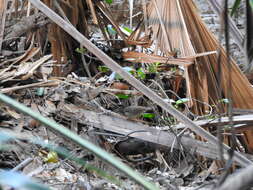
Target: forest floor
182,172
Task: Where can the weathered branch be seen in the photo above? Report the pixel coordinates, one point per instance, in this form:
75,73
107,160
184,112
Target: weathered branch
142,132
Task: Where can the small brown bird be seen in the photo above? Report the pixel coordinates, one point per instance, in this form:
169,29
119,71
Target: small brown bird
133,112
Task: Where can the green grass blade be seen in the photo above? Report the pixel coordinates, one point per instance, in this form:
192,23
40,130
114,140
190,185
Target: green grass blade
82,142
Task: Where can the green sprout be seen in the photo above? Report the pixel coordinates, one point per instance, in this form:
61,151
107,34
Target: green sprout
103,69
109,1
80,50
148,115
123,96
140,73
153,68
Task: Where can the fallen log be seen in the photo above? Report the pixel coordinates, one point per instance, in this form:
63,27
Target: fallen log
140,131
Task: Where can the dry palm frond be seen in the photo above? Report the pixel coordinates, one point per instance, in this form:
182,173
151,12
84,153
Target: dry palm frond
170,32
62,44
176,26
145,58
137,57
135,39
205,41
241,89
168,27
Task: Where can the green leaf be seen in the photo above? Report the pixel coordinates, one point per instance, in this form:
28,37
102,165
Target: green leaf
182,101
148,115
52,157
235,7
103,69
123,96
132,72
109,1
126,30
153,67
80,50
141,74
224,100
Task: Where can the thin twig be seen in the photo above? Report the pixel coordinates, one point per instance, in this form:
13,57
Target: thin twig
22,164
